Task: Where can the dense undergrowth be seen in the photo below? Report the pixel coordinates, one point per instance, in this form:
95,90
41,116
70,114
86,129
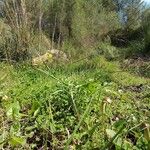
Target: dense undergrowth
91,104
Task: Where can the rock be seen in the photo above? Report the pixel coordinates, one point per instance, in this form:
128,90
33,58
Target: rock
57,54
47,57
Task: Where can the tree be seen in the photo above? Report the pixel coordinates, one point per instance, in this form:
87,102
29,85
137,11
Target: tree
130,12
146,28
92,21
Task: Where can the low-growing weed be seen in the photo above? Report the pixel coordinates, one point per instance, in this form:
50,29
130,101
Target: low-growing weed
89,105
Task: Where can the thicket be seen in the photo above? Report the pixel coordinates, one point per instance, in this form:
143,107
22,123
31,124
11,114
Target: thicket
29,28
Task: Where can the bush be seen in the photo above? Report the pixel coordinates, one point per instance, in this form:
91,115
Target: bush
92,22
134,48
109,52
12,49
5,38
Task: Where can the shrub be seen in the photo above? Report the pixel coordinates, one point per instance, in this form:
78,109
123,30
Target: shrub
134,48
109,52
5,39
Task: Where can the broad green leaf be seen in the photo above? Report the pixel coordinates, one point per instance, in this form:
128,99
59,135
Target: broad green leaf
15,128
15,141
35,107
119,142
147,132
30,128
119,123
9,112
16,109
13,110
36,112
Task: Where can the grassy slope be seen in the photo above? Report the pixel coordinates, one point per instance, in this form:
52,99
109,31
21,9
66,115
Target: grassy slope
82,106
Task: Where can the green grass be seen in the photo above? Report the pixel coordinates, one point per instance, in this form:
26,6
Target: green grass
91,104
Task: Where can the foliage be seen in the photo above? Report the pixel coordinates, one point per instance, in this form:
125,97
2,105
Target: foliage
130,13
91,24
110,52
97,98
146,26
79,106
60,21
135,47
37,26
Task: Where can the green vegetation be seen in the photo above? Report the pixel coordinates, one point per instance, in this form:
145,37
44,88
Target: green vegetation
74,75
86,105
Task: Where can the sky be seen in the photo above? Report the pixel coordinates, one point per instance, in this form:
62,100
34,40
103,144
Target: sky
147,1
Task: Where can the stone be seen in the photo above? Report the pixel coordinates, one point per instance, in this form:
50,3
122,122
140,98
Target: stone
47,57
57,54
